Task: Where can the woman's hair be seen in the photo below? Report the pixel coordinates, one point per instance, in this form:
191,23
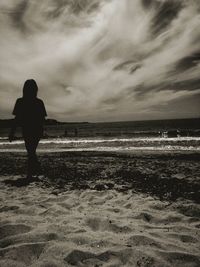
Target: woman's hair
30,89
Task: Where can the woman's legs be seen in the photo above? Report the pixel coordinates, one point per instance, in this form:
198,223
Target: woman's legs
31,146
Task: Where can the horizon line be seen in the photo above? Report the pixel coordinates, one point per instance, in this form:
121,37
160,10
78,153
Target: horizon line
189,118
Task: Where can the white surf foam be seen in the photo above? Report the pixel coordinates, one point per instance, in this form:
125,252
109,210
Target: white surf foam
109,140
110,149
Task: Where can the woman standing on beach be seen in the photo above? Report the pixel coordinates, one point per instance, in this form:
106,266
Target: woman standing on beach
30,114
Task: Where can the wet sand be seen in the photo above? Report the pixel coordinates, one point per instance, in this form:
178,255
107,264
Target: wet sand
101,209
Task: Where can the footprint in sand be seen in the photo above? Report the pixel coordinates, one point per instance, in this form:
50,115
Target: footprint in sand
13,229
180,259
97,224
142,240
77,256
184,238
8,208
24,253
144,216
27,238
17,241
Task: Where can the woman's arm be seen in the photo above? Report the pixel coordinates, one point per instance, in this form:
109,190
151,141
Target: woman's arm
16,112
13,129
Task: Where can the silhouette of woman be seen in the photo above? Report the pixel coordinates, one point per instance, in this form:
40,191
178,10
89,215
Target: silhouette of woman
30,114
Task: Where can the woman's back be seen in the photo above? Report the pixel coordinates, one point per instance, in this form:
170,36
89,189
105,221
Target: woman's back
30,112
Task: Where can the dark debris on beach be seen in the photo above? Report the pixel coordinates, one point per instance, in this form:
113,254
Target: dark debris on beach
165,176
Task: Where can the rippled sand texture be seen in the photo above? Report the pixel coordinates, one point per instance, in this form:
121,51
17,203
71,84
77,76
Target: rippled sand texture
91,228
44,226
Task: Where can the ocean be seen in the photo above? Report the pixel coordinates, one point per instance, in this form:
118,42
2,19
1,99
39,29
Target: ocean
157,128
168,135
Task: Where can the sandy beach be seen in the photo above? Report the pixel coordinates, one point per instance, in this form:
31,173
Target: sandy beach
101,209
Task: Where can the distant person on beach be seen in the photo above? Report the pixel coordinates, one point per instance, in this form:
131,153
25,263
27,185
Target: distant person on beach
30,115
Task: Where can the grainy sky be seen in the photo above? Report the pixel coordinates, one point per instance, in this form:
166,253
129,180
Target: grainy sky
102,60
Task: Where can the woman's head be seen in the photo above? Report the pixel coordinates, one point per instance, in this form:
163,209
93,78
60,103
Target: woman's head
30,89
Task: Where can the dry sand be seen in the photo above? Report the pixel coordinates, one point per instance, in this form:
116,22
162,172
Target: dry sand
101,210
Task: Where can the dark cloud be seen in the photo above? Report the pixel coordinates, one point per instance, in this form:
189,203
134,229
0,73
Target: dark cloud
185,107
130,65
190,85
166,12
17,15
147,3
188,62
142,92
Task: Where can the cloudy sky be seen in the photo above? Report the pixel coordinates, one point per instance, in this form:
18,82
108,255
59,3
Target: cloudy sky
102,60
